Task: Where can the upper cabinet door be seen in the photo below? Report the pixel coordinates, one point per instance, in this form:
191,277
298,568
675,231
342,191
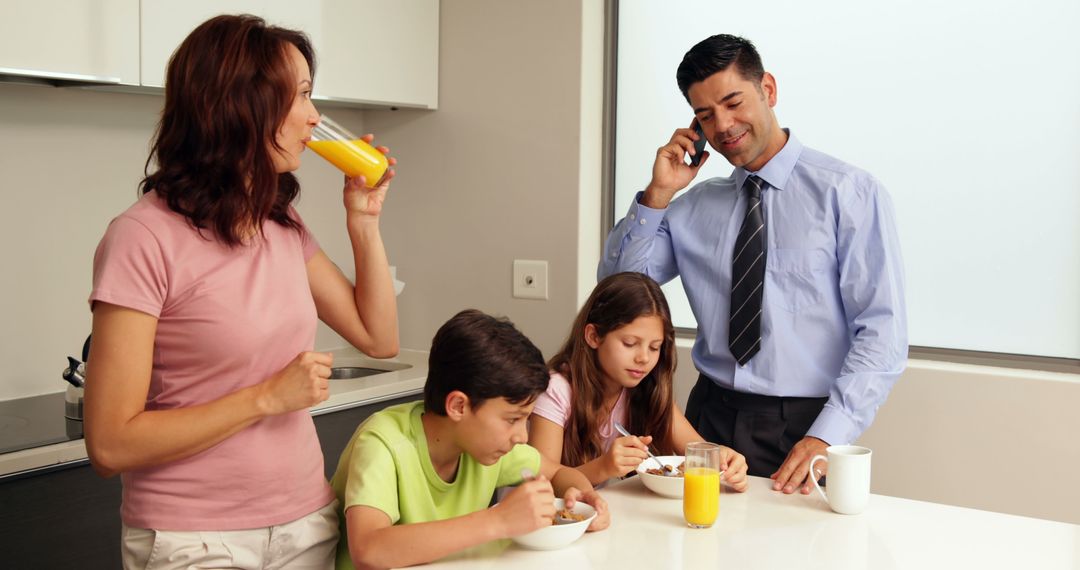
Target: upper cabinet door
380,52
91,41
165,24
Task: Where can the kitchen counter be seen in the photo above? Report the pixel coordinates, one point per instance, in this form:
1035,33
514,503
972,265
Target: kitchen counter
405,376
765,529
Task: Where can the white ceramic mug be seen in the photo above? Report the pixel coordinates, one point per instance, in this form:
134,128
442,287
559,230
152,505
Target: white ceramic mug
848,477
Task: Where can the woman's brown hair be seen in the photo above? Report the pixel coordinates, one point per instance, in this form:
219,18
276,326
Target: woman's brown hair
615,302
228,89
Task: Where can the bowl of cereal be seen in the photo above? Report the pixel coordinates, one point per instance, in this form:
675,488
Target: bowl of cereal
666,482
568,526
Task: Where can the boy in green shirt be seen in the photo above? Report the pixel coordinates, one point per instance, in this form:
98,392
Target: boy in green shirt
415,480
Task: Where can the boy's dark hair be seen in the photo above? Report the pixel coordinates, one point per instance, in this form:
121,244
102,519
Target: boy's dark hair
715,54
485,358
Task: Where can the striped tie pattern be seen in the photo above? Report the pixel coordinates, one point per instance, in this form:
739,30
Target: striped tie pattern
748,278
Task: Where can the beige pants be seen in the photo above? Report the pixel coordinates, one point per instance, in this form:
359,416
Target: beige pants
309,542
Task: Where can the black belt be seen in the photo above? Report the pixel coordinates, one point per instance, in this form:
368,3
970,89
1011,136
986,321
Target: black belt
761,402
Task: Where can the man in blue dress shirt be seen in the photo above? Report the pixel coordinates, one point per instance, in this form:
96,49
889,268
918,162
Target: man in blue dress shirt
823,335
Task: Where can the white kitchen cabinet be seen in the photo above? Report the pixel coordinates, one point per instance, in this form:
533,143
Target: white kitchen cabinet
369,52
379,51
62,40
165,23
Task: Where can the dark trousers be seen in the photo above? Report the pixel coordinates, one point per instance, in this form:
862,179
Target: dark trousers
762,428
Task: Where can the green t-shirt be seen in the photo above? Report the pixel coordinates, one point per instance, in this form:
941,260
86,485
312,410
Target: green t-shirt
386,465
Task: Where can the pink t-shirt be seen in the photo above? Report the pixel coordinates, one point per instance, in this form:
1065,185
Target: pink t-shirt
554,405
227,319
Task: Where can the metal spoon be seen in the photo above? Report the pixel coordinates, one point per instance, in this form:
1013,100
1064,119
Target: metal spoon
663,468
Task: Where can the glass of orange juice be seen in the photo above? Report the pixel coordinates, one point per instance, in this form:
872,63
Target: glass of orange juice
348,152
701,484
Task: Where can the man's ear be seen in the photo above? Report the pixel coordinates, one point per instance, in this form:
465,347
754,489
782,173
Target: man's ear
768,88
592,338
457,405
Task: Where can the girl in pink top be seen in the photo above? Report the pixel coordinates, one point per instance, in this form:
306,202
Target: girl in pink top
205,298
617,366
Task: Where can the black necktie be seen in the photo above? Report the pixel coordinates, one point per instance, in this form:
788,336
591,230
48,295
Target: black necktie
748,278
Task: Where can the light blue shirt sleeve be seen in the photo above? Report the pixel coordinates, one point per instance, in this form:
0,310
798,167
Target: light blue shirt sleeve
640,242
871,284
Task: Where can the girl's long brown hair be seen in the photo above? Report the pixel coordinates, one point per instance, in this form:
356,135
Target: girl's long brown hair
615,302
228,89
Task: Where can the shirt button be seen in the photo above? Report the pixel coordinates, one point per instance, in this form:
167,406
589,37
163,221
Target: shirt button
632,216
642,221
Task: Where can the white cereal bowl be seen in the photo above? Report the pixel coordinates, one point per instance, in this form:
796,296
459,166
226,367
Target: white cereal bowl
663,485
558,535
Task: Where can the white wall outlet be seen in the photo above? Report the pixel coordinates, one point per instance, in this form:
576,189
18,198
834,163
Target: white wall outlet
530,279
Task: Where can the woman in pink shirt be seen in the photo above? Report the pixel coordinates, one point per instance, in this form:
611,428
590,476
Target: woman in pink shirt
205,301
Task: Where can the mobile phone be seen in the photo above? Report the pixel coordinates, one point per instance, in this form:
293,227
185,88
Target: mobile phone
699,145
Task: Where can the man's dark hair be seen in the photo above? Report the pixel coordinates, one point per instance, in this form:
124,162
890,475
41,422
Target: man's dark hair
715,54
485,358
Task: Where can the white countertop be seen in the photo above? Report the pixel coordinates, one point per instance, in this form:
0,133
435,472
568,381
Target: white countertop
765,529
406,377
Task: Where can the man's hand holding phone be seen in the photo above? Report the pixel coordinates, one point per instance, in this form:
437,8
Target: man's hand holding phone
670,171
699,145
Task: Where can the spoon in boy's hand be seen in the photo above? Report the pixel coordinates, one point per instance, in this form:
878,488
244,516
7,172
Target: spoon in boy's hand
526,476
666,470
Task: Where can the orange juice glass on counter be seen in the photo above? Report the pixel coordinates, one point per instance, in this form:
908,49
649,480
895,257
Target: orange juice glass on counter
701,484
348,152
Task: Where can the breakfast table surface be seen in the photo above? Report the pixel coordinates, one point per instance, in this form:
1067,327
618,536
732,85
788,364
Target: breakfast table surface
762,528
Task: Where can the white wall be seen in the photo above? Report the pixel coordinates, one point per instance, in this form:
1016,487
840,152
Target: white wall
71,160
981,437
590,176
493,175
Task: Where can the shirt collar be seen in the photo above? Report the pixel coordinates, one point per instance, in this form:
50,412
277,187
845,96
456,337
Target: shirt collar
778,170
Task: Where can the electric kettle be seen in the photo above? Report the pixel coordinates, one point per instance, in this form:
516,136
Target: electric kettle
75,374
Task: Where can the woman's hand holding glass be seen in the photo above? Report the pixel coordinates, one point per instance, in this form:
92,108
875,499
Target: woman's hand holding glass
361,200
